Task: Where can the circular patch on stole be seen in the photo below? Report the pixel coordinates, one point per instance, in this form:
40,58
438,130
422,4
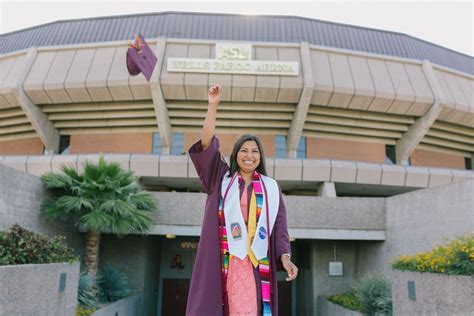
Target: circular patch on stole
262,233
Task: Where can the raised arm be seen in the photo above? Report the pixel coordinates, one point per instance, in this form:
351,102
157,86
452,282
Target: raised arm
208,130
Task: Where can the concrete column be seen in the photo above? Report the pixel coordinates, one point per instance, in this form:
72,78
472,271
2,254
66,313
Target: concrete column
327,189
411,138
299,117
161,111
45,129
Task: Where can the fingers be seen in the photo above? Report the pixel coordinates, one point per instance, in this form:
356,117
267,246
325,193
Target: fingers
215,89
292,273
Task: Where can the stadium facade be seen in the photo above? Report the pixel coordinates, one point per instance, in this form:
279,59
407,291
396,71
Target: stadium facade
353,120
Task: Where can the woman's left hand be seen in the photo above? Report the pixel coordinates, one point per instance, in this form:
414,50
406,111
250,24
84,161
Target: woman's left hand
290,268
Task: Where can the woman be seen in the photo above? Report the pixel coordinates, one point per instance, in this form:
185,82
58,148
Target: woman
244,235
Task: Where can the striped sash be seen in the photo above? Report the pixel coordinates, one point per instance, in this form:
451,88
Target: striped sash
263,264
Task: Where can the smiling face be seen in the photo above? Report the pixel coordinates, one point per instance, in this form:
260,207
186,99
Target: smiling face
248,157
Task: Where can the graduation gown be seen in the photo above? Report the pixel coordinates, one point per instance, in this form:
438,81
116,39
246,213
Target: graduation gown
205,293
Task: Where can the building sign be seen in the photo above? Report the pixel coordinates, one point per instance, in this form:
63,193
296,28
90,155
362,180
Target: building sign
233,59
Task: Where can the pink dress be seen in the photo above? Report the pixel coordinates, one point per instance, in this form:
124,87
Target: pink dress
241,287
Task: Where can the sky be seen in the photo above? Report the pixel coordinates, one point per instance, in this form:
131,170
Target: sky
448,23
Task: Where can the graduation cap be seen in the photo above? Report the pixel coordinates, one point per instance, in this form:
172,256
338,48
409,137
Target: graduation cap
140,58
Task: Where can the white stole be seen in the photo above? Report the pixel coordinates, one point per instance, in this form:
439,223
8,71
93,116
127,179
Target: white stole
237,235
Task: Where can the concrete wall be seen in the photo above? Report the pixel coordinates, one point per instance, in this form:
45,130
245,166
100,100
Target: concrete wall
138,257
435,294
328,308
34,289
21,195
126,306
417,221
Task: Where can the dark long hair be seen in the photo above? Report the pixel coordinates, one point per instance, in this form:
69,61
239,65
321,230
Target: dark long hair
238,144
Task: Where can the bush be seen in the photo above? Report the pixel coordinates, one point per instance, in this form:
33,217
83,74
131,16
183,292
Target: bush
375,295
113,284
86,294
456,257
347,300
21,246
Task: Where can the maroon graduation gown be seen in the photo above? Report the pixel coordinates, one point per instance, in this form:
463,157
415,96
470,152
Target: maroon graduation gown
205,293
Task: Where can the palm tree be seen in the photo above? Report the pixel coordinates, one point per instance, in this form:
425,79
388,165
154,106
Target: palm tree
103,199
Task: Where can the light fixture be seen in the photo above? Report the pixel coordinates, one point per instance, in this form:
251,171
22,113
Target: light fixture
170,236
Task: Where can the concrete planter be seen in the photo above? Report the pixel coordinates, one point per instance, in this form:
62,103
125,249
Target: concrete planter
127,306
328,308
416,293
39,289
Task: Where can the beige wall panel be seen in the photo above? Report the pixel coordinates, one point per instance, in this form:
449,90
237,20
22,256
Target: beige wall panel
15,162
440,176
290,86
139,87
393,175
424,97
316,170
196,85
33,84
243,88
145,165
467,89
364,87
417,177
173,166
267,86
323,85
172,84
288,169
38,165
444,113
54,82
226,83
5,66
118,78
405,96
458,95
9,85
384,90
448,98
343,84
368,173
75,82
343,171
96,81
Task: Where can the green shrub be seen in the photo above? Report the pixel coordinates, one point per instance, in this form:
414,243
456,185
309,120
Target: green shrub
86,294
456,257
21,246
375,295
347,300
113,284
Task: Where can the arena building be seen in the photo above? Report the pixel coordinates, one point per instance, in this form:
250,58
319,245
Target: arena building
353,120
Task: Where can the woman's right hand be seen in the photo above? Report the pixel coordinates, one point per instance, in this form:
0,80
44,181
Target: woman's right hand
214,94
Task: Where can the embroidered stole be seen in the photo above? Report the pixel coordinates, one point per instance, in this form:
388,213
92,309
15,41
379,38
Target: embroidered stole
255,210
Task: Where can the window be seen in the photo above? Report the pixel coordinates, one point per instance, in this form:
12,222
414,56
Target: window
468,163
156,144
280,147
64,144
390,157
177,144
301,151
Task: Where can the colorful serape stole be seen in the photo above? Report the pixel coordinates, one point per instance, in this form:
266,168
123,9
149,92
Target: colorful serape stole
255,209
